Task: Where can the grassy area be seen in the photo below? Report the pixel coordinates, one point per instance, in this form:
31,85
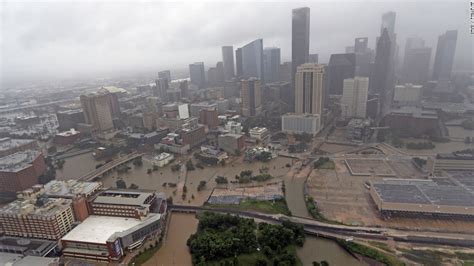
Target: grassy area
315,213
381,245
371,253
328,165
253,258
145,256
270,207
426,257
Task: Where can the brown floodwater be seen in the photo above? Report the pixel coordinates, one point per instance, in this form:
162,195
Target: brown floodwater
174,250
319,249
77,166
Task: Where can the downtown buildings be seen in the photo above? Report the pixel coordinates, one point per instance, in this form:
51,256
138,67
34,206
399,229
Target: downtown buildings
354,97
251,97
299,40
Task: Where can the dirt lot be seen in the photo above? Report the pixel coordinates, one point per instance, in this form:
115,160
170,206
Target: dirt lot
345,198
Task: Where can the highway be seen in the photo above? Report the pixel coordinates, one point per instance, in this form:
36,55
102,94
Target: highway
335,231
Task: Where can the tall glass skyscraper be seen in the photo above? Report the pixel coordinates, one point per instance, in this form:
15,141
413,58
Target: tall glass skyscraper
444,57
271,64
196,72
299,40
228,60
252,60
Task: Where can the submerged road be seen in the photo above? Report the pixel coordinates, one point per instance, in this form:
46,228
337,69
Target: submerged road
335,231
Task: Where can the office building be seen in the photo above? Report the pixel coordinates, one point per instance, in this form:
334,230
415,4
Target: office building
195,108
363,57
228,60
416,120
361,45
163,159
354,97
313,58
416,62
69,119
285,74
459,161
300,28
67,137
21,170
251,60
165,74
197,74
231,143
381,81
238,63
97,111
161,89
388,22
36,248
301,123
209,118
251,97
444,58
407,94
9,146
309,85
340,67
271,64
260,134
33,216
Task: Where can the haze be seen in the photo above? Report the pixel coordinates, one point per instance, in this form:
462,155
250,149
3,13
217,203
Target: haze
59,40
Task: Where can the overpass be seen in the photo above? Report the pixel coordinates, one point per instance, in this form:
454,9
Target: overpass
109,166
341,232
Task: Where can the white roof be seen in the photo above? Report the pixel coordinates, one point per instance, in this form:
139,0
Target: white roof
97,229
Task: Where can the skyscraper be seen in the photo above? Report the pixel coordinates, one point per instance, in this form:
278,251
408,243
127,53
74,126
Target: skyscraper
196,73
363,56
251,97
382,80
220,73
416,61
97,111
228,60
313,58
165,74
361,45
161,89
354,97
299,40
444,57
252,60
309,85
388,22
271,64
340,67
238,62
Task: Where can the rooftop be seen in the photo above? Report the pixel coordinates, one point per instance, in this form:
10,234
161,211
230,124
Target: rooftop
124,197
26,246
415,112
97,229
70,188
42,207
9,143
437,191
18,161
162,156
68,133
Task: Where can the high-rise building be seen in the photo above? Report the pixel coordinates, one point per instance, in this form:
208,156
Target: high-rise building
313,58
309,85
251,97
212,76
197,75
388,22
354,97
220,73
165,74
340,67
161,89
299,37
238,62
285,73
252,60
69,119
361,45
271,64
444,57
301,123
407,94
381,81
416,61
228,60
97,111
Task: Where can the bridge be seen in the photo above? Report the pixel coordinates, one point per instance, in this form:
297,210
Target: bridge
109,166
342,232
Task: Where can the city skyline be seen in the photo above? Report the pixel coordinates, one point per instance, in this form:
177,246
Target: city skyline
169,48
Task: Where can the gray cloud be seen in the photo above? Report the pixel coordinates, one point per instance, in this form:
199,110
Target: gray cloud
56,39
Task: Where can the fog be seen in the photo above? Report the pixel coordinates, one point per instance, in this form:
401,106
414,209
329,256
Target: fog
57,39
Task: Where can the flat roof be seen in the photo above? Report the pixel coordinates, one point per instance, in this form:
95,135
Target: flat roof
70,188
436,191
124,197
97,229
9,143
50,207
18,161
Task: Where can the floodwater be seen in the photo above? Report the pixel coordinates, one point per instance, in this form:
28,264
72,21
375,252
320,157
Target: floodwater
174,250
319,249
77,166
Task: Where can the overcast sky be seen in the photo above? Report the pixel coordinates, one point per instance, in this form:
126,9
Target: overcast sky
64,39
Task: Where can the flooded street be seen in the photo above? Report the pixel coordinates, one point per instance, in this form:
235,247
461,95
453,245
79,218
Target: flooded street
77,166
174,250
319,249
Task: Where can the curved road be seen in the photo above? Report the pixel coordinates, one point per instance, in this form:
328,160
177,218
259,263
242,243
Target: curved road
336,231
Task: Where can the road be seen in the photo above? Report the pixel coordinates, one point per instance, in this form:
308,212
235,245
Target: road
336,231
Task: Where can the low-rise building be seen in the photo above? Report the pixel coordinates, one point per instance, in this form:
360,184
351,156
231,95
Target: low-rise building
9,146
455,161
21,170
67,137
358,129
231,143
418,121
163,159
261,134
69,119
301,123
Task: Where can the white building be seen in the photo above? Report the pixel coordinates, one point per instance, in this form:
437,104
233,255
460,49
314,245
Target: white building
301,123
163,159
309,85
407,94
354,97
259,133
233,127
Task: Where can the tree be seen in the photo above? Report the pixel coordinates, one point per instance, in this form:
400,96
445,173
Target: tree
120,183
133,186
221,180
138,161
201,186
190,165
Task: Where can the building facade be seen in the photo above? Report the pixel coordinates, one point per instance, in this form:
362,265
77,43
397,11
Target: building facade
197,74
252,60
300,28
97,111
301,123
309,85
21,170
251,97
354,97
228,60
444,58
271,64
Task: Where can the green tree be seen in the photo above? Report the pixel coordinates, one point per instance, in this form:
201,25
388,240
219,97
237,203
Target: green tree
120,183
